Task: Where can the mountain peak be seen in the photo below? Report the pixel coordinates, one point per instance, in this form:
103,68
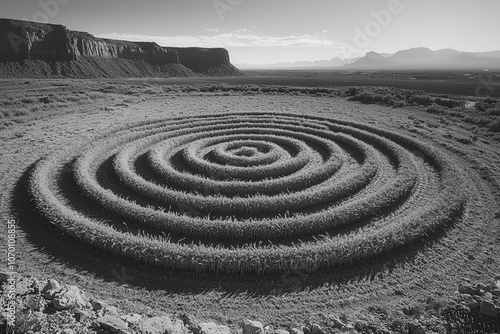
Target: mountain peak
373,54
372,60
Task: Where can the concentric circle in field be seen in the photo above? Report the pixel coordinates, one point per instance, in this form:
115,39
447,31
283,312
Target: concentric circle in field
253,192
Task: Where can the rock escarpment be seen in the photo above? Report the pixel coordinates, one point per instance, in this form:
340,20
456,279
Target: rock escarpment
34,49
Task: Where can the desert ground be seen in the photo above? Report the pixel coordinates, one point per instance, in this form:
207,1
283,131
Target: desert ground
419,213
460,82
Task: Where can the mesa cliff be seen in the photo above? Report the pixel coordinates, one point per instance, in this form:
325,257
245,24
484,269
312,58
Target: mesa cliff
31,49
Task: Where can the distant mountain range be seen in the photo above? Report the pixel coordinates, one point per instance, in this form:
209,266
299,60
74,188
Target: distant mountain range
411,59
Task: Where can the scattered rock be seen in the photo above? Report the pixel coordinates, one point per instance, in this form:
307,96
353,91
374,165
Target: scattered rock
295,331
50,289
161,325
252,327
98,305
316,329
36,285
417,311
433,304
488,296
360,325
337,322
280,331
470,302
415,329
479,292
398,325
488,308
190,322
113,324
440,305
212,328
466,289
110,310
132,318
80,315
67,331
24,286
380,309
69,297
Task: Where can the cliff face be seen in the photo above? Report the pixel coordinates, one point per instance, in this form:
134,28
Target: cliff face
31,41
21,40
86,45
201,59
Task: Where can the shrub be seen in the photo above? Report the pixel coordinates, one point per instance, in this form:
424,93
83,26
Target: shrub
435,109
494,111
400,104
351,91
481,105
449,103
495,125
423,100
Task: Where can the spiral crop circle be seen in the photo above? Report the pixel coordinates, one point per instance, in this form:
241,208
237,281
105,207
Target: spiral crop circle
254,192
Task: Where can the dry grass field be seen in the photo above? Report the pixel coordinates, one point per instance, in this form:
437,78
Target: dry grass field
277,204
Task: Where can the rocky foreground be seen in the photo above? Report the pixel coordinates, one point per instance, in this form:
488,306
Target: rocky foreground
52,307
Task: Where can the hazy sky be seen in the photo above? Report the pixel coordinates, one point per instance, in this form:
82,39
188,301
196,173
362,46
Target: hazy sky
270,31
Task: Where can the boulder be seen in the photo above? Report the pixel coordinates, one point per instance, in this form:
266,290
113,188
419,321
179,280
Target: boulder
98,305
415,329
294,330
470,302
417,311
316,329
50,289
252,327
212,328
280,331
81,315
190,322
162,325
113,324
466,289
110,310
488,308
69,297
360,325
132,318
